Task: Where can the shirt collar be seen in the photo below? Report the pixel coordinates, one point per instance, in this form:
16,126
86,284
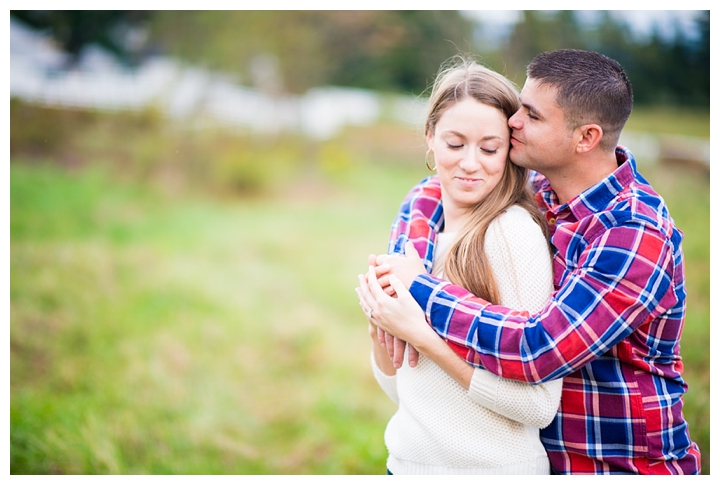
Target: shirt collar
599,196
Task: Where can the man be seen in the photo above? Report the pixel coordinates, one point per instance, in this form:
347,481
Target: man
612,327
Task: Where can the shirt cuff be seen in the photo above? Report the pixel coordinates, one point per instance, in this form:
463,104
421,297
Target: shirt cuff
423,288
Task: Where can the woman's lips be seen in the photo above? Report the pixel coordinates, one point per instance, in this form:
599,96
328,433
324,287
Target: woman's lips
467,180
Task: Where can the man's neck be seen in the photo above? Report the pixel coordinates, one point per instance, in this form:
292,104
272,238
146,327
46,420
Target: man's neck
571,180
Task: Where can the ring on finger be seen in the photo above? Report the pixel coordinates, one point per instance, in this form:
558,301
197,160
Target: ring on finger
367,313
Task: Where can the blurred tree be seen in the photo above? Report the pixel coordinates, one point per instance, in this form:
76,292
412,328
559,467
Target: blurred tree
698,56
383,50
393,50
541,31
75,29
228,41
673,70
666,69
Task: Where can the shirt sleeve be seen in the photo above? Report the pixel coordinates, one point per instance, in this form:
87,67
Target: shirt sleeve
620,278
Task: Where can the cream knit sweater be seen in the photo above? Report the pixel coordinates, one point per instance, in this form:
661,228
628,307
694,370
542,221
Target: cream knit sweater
439,427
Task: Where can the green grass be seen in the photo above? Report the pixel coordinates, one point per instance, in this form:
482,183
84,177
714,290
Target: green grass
158,328
165,335
667,120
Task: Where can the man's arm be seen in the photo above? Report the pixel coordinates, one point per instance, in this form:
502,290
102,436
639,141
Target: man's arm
622,278
533,405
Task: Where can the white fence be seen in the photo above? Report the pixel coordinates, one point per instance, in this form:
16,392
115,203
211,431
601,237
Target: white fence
186,92
207,98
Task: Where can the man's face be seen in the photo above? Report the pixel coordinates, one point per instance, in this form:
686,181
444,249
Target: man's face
540,139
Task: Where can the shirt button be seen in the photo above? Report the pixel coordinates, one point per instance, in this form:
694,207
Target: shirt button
551,221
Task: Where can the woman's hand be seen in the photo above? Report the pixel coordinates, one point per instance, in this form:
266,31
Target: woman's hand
392,347
382,359
400,316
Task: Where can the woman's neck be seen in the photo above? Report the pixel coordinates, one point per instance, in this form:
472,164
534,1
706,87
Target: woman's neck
454,217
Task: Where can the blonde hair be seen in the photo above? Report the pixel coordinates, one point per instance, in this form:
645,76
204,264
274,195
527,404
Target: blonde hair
466,263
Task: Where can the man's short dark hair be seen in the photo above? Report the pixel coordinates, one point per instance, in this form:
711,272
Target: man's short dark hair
591,88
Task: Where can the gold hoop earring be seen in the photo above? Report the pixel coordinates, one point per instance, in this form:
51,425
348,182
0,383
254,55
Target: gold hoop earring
432,169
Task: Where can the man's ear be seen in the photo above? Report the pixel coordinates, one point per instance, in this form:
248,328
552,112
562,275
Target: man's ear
589,138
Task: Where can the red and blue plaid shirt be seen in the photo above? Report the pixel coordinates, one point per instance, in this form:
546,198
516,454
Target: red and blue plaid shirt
611,329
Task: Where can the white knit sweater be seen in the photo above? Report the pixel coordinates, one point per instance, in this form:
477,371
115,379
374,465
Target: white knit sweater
439,427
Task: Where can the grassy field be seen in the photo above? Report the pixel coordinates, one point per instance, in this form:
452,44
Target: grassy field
158,328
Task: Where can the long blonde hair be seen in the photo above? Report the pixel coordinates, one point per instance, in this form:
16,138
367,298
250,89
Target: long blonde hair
466,263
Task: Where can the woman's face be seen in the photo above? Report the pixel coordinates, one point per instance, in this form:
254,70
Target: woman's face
470,142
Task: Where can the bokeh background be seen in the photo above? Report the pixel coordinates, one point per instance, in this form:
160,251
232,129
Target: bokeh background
192,196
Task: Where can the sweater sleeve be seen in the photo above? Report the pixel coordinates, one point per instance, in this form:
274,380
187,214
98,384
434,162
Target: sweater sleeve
535,405
387,383
519,256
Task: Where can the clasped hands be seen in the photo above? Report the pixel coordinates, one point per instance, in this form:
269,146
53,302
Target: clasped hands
391,310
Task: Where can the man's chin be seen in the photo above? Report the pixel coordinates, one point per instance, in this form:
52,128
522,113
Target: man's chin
520,160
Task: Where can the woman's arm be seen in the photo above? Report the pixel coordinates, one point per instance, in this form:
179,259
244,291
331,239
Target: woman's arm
427,341
520,258
521,261
533,405
382,366
536,405
381,358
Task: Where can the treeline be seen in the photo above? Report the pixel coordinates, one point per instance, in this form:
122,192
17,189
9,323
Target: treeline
664,69
396,51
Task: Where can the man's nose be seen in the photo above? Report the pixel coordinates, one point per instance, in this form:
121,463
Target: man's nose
514,122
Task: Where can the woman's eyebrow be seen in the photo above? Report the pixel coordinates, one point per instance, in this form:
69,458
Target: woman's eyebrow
487,137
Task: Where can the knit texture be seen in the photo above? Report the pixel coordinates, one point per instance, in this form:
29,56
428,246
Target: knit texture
440,428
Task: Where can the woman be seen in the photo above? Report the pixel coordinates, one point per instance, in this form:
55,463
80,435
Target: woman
491,239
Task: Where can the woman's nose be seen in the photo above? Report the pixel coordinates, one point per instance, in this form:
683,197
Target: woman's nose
471,161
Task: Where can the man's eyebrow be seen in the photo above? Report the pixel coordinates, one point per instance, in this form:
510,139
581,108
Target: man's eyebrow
529,107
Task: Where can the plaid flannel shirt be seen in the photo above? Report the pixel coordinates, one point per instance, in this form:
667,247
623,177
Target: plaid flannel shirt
611,329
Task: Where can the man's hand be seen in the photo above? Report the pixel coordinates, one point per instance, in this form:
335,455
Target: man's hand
373,261
406,267
400,316
393,345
